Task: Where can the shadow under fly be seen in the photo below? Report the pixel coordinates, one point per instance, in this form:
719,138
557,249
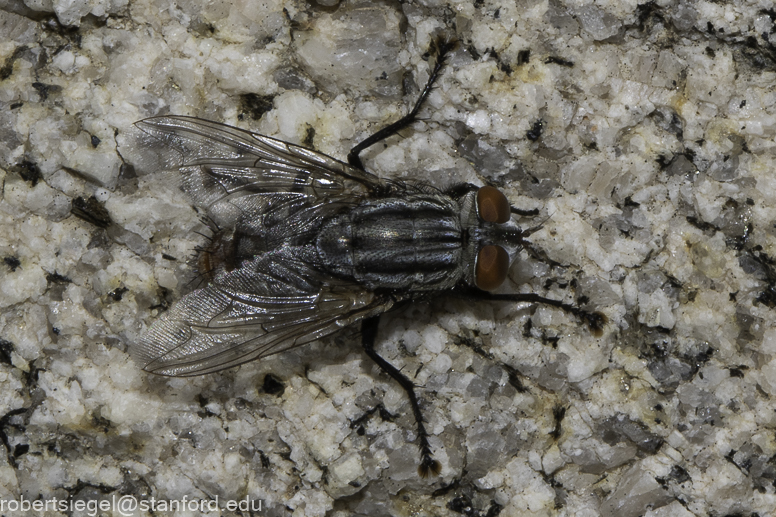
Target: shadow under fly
305,245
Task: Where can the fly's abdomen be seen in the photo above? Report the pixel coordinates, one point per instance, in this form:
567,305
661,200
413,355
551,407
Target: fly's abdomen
396,243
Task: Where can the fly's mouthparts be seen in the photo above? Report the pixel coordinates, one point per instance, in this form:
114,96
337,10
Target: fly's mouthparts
513,235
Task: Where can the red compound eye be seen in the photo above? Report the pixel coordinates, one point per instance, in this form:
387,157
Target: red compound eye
491,268
492,205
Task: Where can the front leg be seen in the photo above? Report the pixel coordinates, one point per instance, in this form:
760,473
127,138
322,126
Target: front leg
595,321
442,47
428,465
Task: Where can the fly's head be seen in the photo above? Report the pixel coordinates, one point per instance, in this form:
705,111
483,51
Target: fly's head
494,240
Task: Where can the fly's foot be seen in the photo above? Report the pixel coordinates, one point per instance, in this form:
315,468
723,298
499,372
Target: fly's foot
440,46
428,465
595,322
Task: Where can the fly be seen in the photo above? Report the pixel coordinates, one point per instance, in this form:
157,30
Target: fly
305,245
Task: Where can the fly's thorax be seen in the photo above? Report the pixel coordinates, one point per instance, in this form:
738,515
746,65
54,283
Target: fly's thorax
415,242
334,245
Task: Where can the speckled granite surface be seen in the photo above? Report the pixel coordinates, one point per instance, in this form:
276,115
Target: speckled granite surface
644,134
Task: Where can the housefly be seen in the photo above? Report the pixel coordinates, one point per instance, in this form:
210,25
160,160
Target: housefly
304,246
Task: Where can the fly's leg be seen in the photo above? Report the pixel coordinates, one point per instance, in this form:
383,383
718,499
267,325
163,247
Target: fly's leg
442,49
594,320
428,465
524,213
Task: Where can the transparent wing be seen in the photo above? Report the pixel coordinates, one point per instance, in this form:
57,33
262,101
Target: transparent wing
217,162
266,306
271,193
